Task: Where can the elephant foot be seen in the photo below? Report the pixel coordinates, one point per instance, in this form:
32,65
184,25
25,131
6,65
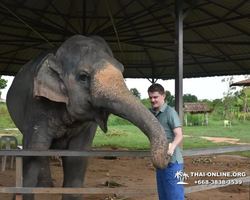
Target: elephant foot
72,197
25,197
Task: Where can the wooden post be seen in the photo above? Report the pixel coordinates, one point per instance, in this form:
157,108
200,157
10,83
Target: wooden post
207,118
19,175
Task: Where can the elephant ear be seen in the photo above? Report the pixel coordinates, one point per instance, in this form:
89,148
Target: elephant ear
47,81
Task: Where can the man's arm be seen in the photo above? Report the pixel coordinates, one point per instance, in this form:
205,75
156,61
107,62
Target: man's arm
178,138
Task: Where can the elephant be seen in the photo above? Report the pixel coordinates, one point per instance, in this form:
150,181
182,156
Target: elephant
58,99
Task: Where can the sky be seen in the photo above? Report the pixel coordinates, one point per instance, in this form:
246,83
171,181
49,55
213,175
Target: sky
203,88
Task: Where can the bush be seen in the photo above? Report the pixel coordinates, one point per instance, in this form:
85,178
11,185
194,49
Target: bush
6,121
117,121
217,114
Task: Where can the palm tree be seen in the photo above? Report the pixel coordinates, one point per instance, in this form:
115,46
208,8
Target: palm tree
181,176
185,176
178,175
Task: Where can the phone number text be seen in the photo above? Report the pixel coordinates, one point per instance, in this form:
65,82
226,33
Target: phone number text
218,182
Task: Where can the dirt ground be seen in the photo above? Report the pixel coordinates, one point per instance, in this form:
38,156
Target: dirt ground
139,173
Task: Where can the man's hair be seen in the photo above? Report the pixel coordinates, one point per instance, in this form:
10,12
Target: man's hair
156,88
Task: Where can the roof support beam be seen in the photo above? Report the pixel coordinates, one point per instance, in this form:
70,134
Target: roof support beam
66,19
179,59
110,27
84,21
232,10
116,33
143,74
145,22
208,42
208,13
194,63
153,65
39,25
23,48
93,15
24,23
212,23
171,50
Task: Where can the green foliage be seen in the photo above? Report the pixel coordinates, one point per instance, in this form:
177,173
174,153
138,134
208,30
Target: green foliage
243,98
242,116
238,130
132,138
209,103
217,103
117,121
228,96
122,136
240,153
6,121
19,137
218,114
170,99
198,143
136,93
3,84
189,98
195,118
122,133
146,103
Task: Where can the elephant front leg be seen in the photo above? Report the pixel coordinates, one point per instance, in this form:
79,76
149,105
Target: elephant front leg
33,166
31,171
74,168
45,179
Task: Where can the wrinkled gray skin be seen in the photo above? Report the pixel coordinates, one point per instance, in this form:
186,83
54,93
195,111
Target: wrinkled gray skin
58,99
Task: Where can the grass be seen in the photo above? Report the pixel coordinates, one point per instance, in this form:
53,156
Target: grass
119,138
122,133
129,136
238,153
5,121
238,130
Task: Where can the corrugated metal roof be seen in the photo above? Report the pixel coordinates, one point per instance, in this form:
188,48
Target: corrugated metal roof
216,34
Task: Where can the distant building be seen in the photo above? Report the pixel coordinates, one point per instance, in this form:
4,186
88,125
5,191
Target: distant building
2,100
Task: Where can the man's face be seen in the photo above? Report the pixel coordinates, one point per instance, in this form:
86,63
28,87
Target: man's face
156,100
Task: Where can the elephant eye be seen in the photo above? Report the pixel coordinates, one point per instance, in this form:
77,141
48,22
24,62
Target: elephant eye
83,76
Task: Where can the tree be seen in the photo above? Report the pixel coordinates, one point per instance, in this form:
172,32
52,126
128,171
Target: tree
217,103
136,93
170,99
189,98
146,102
3,84
208,102
228,96
243,98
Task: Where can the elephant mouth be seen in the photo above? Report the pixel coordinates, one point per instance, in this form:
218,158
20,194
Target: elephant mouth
102,119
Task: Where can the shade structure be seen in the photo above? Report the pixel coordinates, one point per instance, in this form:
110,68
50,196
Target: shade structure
241,83
141,34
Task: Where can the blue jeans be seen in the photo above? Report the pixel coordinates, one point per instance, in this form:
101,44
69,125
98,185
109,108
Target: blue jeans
167,186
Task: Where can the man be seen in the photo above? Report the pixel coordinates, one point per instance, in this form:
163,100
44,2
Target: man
167,186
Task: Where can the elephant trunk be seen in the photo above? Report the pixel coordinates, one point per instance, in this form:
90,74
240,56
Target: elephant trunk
111,93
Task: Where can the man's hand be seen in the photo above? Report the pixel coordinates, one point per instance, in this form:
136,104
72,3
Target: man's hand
170,149
178,138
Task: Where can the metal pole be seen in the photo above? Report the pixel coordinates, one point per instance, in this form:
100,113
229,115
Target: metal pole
179,60
84,10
